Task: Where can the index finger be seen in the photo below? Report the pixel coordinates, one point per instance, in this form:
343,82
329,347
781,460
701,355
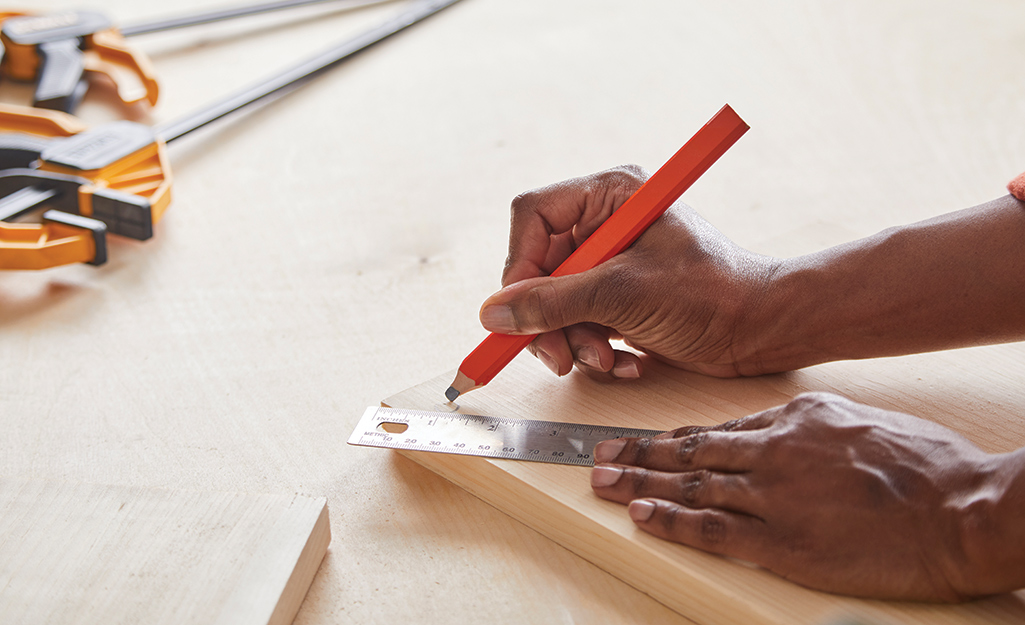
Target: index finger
550,222
756,421
729,452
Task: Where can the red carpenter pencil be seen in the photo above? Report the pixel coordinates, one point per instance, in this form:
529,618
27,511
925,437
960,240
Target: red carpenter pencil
615,235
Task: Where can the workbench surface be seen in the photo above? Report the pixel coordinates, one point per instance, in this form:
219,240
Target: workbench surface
330,249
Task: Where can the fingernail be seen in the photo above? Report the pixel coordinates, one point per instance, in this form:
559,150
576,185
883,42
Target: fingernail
641,510
589,356
498,318
626,370
605,476
606,451
549,361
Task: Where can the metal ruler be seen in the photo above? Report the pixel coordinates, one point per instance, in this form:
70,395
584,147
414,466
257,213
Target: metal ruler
491,437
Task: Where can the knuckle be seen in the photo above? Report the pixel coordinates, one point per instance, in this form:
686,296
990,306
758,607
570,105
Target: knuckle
813,398
689,430
810,402
638,480
641,450
688,448
526,201
729,426
669,519
627,177
713,529
607,190
543,309
692,488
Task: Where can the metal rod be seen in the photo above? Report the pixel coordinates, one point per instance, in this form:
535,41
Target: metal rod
219,15
24,200
300,73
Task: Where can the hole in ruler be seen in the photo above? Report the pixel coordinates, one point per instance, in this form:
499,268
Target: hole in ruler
393,428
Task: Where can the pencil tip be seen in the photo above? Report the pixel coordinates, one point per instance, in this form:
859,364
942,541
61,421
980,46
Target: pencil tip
462,384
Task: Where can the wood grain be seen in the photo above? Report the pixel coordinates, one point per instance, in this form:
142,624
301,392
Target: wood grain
333,247
557,501
82,553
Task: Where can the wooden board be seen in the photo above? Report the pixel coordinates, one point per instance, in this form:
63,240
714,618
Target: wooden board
81,553
975,391
333,247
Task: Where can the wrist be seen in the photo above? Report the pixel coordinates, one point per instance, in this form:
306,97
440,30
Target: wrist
776,325
991,536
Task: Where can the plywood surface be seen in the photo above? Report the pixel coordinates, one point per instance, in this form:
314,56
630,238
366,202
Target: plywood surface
333,247
83,553
558,502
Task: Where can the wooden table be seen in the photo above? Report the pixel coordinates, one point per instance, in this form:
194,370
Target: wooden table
331,249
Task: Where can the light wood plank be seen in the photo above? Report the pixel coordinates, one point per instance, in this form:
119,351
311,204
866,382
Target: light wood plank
83,553
557,501
332,248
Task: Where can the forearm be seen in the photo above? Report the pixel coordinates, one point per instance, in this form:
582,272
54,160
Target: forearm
952,281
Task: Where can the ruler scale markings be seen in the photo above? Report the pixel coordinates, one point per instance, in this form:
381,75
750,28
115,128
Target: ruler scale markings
490,437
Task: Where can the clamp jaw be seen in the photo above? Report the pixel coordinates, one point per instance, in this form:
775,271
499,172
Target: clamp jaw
57,49
112,178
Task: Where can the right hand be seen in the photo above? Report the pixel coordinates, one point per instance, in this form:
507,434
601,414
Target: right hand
681,293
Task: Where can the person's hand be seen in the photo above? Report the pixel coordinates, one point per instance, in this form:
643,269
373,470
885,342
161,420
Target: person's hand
680,293
833,495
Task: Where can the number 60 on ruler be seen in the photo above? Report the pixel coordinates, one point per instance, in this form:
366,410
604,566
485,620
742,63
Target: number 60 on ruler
490,437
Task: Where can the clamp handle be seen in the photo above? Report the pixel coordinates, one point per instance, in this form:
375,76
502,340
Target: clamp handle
61,84
112,178
58,48
61,239
108,53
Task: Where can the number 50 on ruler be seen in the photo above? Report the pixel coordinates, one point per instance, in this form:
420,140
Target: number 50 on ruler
490,437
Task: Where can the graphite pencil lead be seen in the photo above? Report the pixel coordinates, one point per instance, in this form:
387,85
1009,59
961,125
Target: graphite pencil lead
460,385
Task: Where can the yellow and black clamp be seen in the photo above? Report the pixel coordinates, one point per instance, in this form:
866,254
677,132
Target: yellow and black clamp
59,50
115,177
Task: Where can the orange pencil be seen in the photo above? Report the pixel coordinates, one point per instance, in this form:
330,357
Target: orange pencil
615,235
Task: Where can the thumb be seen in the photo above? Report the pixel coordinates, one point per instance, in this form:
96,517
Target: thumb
539,305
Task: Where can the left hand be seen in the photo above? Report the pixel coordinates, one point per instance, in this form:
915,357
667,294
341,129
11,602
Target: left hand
825,492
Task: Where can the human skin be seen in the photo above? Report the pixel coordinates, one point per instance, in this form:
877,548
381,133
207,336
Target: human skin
921,514
833,495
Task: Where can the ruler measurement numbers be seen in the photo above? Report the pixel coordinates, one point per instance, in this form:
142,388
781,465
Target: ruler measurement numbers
491,437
